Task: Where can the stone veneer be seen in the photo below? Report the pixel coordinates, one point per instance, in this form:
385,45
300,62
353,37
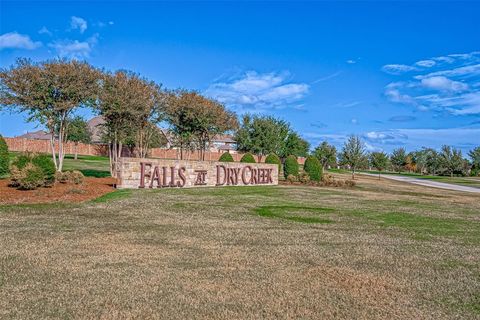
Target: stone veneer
188,174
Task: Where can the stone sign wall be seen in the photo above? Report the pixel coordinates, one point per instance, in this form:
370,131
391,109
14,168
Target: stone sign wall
137,173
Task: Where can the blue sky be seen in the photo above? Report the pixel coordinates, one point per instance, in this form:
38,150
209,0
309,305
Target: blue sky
397,74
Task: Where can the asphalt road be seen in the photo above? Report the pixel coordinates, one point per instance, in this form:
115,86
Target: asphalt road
427,183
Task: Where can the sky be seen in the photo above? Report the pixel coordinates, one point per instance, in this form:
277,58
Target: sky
398,74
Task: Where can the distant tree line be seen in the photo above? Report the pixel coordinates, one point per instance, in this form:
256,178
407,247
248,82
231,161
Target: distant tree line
446,161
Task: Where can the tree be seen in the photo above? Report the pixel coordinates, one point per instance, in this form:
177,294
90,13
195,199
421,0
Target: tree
295,145
398,159
195,120
262,135
432,160
78,131
475,157
353,153
451,159
326,154
410,164
4,158
313,167
49,92
129,105
379,160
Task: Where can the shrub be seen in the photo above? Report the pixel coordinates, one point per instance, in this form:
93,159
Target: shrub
32,177
15,176
313,167
304,178
76,177
248,158
62,177
291,166
22,160
291,178
272,158
4,159
226,157
45,162
350,183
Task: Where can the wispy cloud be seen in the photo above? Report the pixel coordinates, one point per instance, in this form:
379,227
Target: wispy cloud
450,84
402,118
257,91
44,30
15,40
78,23
330,76
73,48
397,68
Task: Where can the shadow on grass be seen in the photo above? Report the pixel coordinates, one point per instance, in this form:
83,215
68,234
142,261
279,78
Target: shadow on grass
294,213
95,173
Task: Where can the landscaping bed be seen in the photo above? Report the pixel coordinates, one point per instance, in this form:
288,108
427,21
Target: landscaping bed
90,189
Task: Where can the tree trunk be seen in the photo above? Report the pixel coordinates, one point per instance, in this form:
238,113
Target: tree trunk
52,145
353,173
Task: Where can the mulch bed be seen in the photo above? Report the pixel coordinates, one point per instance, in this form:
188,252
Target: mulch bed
91,188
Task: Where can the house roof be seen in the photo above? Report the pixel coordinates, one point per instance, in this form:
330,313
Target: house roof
95,127
38,135
226,138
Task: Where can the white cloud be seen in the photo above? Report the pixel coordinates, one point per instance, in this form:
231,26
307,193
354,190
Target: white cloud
443,83
425,63
14,40
73,48
44,30
78,23
397,68
354,121
351,61
451,85
258,91
468,71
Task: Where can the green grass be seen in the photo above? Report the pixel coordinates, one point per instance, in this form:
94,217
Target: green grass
90,166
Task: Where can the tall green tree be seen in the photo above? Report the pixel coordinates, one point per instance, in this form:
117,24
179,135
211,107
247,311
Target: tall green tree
326,154
379,161
296,145
451,160
398,159
49,92
475,158
353,153
262,135
78,132
432,160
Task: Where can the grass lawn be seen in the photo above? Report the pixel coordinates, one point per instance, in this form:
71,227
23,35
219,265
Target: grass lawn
462,181
90,166
380,250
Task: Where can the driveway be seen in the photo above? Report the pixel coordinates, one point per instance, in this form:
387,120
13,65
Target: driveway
427,183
